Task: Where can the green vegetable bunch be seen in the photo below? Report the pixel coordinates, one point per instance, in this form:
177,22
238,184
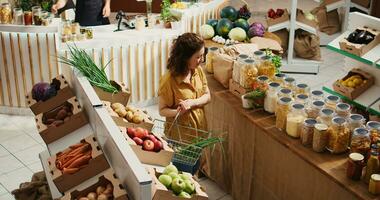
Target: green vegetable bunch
165,10
276,60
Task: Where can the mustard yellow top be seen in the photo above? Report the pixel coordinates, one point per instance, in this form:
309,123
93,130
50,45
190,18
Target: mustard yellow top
174,89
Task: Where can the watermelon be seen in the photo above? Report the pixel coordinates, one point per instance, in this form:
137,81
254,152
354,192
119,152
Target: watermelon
212,22
223,27
242,23
229,12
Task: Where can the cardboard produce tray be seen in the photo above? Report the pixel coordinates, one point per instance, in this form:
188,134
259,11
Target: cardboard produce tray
63,94
96,165
285,17
360,49
300,17
121,97
161,158
52,133
160,192
353,93
236,89
107,177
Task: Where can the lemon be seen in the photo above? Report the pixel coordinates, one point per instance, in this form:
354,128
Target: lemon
351,84
358,81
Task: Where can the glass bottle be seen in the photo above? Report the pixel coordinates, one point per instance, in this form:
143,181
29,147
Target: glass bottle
36,10
302,99
339,135
360,142
248,73
314,109
282,109
18,16
316,95
290,83
355,166
28,18
279,78
343,110
285,92
325,116
302,88
331,101
374,130
320,137
140,22
210,56
266,67
294,120
374,184
270,100
66,28
5,13
307,131
372,166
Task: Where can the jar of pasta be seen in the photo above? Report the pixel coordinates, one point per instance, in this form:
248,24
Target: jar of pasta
258,54
316,95
290,83
360,143
282,109
374,130
66,28
331,101
5,13
307,132
266,67
248,73
75,28
263,80
339,135
325,116
294,120
302,99
320,137
285,92
270,100
302,88
356,121
314,109
210,56
343,110
279,78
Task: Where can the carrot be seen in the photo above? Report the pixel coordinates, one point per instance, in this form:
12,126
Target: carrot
81,149
80,161
67,163
76,145
70,170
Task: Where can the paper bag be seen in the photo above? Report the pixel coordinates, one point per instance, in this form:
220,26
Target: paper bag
329,22
306,45
223,64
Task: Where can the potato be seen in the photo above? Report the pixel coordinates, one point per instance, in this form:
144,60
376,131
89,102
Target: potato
102,197
130,108
137,119
61,114
100,190
83,198
109,190
116,106
129,116
121,112
92,196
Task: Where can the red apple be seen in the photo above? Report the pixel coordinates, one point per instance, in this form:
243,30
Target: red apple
141,132
151,137
131,132
138,141
158,146
148,145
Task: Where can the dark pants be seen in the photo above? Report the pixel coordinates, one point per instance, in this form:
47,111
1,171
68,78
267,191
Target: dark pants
90,13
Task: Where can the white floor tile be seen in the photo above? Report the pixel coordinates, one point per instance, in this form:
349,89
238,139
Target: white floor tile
8,131
36,167
30,155
9,163
35,135
2,190
13,179
23,122
7,196
19,143
3,151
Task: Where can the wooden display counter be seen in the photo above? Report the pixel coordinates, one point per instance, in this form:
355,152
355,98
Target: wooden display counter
261,162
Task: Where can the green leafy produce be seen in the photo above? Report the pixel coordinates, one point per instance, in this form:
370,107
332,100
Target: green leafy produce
237,34
97,76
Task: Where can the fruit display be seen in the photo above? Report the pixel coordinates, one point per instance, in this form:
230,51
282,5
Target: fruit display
129,113
58,116
101,193
256,29
360,36
142,137
74,158
178,5
353,81
275,14
360,41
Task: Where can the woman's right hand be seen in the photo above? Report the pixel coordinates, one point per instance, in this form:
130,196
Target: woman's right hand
57,6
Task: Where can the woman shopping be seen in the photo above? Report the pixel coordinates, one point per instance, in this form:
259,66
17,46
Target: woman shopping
88,12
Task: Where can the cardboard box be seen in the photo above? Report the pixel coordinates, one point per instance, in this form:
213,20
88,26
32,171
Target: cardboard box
301,18
236,89
327,2
63,94
76,120
121,97
364,3
161,158
285,17
96,165
353,93
360,49
108,176
160,192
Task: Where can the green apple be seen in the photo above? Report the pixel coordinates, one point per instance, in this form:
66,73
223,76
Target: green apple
174,175
178,185
189,187
184,195
170,168
184,177
166,180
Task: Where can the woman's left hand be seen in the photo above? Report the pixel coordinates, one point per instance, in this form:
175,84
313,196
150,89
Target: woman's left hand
106,11
187,104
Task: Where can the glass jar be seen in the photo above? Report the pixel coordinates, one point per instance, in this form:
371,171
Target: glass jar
81,37
5,13
237,67
285,92
66,28
140,22
320,137
302,99
266,67
325,116
316,95
258,54
248,73
210,56
75,28
374,130
355,166
360,143
290,83
343,110
279,78
28,18
263,80
339,135
270,100
302,88
282,109
65,38
18,16
372,166
374,184
89,33
331,101
356,121
314,109
37,17
307,131
294,120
